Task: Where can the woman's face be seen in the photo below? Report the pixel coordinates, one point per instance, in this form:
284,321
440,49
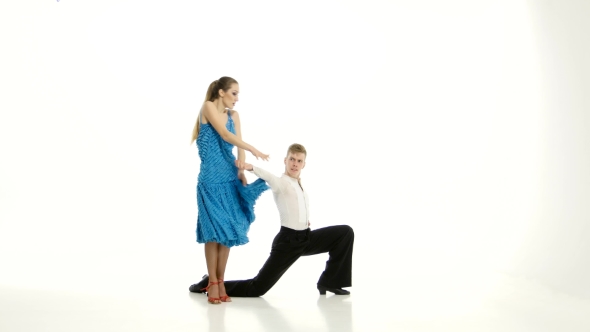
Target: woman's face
230,97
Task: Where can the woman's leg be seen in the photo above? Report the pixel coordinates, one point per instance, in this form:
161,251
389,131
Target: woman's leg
222,257
212,257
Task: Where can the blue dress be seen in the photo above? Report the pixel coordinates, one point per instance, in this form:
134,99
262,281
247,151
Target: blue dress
225,206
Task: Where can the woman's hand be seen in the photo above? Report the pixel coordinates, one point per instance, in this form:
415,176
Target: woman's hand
242,177
258,154
241,165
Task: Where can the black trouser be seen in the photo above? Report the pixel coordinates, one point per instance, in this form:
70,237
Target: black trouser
288,246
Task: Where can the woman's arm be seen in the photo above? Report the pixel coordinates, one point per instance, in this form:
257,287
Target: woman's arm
216,120
236,117
241,154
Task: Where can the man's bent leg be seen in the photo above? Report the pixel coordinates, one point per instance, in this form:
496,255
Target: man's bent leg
285,251
338,242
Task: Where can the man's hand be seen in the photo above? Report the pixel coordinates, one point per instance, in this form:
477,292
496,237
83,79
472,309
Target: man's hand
243,165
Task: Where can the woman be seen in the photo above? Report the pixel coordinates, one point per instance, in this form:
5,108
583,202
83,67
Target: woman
225,203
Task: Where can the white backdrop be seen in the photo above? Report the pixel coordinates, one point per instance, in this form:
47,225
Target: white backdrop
432,129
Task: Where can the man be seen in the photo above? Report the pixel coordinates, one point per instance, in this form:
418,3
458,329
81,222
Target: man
295,239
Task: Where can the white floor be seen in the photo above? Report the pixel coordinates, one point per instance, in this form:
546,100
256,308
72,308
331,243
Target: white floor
149,293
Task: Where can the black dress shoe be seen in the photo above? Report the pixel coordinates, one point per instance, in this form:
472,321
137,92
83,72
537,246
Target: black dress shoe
200,286
337,291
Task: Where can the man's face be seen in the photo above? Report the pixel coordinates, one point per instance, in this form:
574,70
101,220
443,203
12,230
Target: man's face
294,163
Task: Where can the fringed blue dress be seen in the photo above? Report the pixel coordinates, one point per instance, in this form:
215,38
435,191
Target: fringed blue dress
225,206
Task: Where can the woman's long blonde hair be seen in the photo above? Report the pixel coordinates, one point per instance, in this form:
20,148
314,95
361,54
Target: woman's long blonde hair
224,84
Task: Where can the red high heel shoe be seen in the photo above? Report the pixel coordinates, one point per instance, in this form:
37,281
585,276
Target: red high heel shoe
212,300
224,298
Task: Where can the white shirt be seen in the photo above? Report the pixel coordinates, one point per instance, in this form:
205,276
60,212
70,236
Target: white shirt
291,199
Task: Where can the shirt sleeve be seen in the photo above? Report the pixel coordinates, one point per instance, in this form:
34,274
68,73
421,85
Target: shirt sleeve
273,181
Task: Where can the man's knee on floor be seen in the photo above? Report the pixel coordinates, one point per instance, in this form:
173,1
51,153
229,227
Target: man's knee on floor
258,291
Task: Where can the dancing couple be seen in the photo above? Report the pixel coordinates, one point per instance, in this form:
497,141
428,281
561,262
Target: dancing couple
225,203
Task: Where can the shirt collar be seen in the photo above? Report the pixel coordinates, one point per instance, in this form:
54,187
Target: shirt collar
290,178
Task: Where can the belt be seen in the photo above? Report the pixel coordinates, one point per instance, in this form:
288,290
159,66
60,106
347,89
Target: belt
294,234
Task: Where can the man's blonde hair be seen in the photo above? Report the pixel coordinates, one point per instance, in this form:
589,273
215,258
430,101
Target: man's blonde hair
297,148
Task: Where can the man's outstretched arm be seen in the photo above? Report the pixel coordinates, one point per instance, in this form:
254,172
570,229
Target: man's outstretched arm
273,181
